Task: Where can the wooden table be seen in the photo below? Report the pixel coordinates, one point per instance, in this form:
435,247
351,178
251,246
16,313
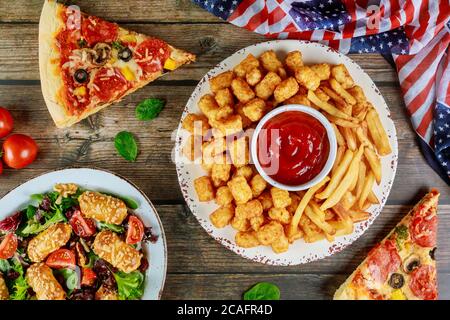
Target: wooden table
198,267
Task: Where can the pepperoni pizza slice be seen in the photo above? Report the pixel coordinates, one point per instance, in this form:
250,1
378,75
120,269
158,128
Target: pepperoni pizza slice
87,63
402,266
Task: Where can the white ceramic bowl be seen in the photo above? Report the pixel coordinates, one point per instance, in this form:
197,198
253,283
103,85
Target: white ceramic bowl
101,180
331,139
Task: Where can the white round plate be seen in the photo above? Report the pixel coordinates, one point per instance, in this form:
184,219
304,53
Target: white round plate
102,181
299,252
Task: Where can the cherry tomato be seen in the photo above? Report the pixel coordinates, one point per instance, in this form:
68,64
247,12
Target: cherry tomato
1,166
6,122
83,227
61,258
135,231
19,151
8,246
88,277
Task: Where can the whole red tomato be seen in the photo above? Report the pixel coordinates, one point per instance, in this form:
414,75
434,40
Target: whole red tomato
6,122
19,151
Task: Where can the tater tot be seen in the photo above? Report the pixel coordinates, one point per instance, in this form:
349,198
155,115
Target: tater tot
222,216
286,89
242,90
281,244
292,233
246,122
323,70
240,190
258,184
224,97
208,106
246,65
246,239
270,62
212,151
224,196
280,198
239,152
196,124
265,88
269,232
340,73
257,222
280,214
295,200
282,73
266,200
254,109
253,76
249,210
294,60
220,173
299,99
307,77
240,224
245,171
204,188
221,81
192,148
230,125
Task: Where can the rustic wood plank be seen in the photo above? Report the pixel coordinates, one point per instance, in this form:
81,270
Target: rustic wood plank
292,287
90,143
19,49
187,239
129,11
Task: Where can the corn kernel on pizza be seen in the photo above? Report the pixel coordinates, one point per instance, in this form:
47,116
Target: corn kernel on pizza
262,214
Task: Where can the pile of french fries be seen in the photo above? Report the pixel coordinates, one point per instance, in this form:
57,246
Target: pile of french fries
265,215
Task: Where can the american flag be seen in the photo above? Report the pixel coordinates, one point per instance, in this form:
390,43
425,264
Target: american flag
415,34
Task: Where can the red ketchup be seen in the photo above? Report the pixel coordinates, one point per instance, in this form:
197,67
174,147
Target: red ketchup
293,147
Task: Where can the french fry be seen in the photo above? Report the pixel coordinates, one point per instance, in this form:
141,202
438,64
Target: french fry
366,206
315,218
355,179
374,163
358,216
378,133
342,227
340,139
342,92
372,198
327,107
329,215
339,101
368,184
339,154
341,122
361,178
349,138
346,181
304,202
337,177
363,138
340,211
348,200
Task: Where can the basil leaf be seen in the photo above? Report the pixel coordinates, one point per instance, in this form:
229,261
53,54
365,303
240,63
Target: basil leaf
126,145
263,291
149,109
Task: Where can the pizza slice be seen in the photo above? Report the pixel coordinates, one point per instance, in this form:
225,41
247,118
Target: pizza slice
87,63
402,266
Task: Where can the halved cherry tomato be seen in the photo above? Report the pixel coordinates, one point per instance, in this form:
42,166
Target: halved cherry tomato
19,151
88,277
83,227
135,231
1,166
6,122
8,246
61,258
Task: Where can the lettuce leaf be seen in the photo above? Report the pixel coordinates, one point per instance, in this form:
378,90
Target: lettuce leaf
130,285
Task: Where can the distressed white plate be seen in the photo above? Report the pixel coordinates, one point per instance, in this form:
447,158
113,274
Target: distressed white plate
99,180
299,252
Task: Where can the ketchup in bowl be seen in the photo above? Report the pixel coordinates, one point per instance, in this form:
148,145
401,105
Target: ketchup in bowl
293,147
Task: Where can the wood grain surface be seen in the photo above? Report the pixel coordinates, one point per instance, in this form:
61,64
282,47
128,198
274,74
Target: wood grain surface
199,267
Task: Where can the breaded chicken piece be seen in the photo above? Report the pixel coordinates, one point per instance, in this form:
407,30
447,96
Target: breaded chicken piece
4,294
40,277
102,207
48,241
108,246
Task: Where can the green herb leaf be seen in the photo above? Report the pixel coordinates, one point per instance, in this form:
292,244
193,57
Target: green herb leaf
149,109
117,45
70,277
34,227
126,145
30,212
263,291
37,197
130,285
112,227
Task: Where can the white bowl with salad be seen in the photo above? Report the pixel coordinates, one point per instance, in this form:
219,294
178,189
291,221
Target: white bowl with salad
80,234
